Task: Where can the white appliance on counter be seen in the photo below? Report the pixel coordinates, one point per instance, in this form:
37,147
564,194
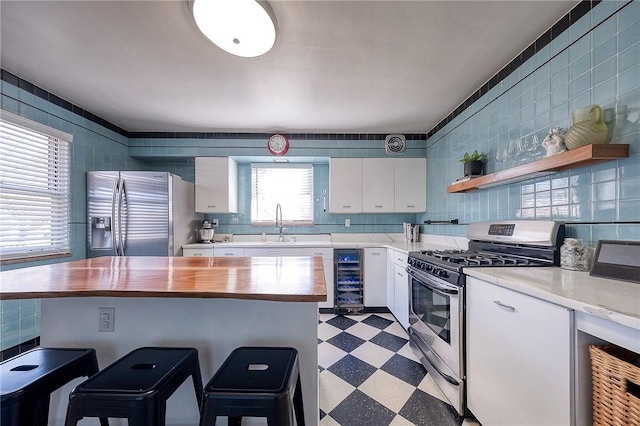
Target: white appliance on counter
139,214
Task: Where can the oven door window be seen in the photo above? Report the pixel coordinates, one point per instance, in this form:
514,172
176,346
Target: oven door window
432,308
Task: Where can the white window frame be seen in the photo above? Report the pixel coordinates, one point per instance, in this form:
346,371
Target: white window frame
35,182
267,205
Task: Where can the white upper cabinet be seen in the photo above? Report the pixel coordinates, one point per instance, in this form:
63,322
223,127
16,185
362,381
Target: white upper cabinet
410,185
345,185
216,185
378,185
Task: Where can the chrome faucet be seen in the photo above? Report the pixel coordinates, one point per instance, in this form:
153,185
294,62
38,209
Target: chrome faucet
279,225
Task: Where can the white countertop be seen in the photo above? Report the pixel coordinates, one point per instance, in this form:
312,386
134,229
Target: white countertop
614,300
392,241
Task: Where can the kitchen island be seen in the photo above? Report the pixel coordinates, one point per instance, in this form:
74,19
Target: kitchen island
212,304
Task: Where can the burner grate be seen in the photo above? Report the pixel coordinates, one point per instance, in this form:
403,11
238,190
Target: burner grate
476,258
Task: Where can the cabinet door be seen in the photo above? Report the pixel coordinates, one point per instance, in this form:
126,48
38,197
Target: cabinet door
216,185
375,277
391,281
519,360
401,294
345,185
378,185
410,184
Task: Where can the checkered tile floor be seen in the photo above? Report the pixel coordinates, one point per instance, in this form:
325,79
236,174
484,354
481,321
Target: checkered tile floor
369,376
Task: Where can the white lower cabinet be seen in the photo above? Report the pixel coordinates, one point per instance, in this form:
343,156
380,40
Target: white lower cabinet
375,277
401,295
519,358
398,287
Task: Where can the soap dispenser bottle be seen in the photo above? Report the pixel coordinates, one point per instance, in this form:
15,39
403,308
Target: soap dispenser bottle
263,237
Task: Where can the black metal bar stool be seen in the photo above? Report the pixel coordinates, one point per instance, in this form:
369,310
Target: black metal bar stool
27,381
255,382
136,386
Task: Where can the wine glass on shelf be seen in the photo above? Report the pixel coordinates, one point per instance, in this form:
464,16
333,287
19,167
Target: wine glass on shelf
514,152
501,156
532,147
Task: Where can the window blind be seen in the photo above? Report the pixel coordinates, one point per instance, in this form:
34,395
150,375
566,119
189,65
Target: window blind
290,185
34,189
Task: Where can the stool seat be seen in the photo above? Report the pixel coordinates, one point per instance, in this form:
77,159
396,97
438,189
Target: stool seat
27,381
256,382
136,386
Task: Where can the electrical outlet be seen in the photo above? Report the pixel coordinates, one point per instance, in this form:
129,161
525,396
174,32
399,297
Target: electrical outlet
106,319
347,222
215,222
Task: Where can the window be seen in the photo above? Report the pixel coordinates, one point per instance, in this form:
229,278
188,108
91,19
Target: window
34,189
290,185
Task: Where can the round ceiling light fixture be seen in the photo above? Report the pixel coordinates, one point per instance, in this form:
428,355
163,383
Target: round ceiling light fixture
241,27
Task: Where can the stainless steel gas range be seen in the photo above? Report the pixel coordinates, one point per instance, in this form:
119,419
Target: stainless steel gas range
437,287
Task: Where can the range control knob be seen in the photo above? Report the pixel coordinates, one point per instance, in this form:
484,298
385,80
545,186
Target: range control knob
442,273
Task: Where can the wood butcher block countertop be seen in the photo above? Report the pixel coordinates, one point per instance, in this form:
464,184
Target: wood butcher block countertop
285,279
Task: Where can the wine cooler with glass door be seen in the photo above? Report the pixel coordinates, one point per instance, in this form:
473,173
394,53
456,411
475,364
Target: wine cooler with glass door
348,291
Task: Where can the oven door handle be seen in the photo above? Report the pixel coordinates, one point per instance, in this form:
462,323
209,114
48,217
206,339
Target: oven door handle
432,285
444,375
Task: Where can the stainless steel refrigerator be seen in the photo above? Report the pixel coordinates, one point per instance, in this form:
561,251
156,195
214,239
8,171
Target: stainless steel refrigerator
139,214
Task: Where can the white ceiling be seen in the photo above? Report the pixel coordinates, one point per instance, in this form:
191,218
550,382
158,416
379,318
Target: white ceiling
337,67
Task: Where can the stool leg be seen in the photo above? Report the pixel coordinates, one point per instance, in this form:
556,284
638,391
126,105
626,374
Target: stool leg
72,417
280,416
197,384
161,414
297,403
234,421
42,411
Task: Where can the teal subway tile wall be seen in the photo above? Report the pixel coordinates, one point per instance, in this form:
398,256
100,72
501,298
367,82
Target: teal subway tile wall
93,148
597,62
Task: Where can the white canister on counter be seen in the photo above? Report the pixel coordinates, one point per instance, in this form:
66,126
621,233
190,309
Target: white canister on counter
573,255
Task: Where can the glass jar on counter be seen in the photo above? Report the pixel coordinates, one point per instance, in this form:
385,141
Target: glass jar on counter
573,255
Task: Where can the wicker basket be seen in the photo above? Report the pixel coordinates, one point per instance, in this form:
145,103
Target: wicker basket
616,401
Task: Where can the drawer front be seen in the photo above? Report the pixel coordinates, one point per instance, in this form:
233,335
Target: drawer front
197,252
228,252
399,258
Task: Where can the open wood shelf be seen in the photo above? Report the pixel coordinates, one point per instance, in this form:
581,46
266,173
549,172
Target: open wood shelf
583,156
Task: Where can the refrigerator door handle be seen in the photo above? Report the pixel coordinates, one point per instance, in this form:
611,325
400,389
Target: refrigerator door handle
121,242
114,218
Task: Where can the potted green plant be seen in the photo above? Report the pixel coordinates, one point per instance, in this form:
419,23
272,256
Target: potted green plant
473,163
